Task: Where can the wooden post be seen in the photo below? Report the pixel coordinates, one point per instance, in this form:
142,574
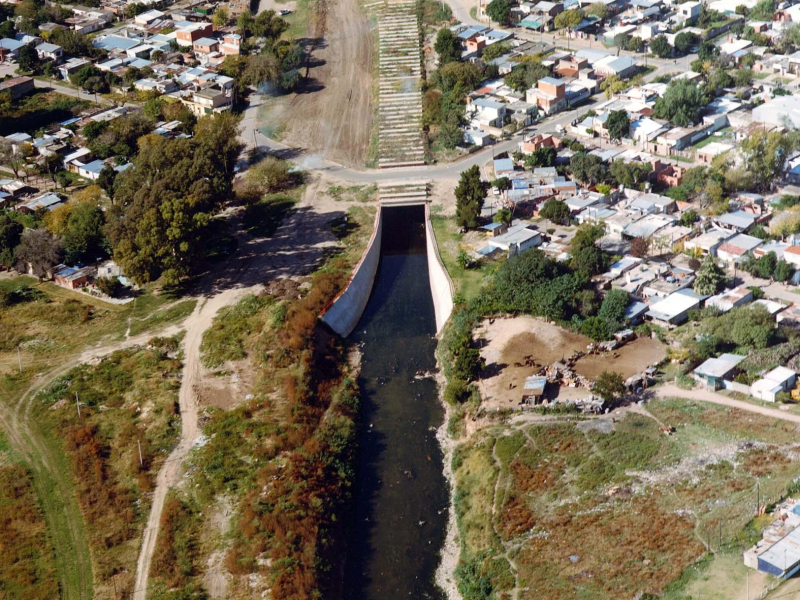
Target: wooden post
141,462
19,359
78,404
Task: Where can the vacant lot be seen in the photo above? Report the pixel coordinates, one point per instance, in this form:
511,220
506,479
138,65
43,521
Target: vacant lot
332,114
529,497
506,344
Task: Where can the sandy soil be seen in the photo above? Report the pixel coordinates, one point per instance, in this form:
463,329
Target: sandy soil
333,115
507,342
294,250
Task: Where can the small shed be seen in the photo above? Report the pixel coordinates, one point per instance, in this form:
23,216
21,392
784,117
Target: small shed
780,379
533,389
713,371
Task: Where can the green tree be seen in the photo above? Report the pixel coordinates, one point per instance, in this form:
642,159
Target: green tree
84,240
543,157
681,103
783,271
595,328
106,179
613,308
158,224
245,22
555,211
221,17
495,51
585,236
587,168
447,46
618,124
685,41
710,277
503,216
609,386
569,19
660,46
765,155
763,11
10,234
28,59
525,75
630,174
589,261
470,194
743,77
499,11
599,10
502,184
689,217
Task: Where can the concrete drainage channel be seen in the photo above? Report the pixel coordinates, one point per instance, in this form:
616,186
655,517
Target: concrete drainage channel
400,141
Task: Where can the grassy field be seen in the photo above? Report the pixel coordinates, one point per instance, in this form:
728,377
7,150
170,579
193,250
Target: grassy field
38,110
128,401
467,282
258,442
528,497
50,332
27,560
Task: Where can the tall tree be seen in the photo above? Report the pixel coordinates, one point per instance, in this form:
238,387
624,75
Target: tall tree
681,103
470,194
766,155
84,239
710,277
37,252
10,234
499,11
660,46
164,203
618,124
447,46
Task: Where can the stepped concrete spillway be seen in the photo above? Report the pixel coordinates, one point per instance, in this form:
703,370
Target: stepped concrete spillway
400,136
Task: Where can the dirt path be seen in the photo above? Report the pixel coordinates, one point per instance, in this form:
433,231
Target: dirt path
172,469
332,116
295,249
672,391
54,485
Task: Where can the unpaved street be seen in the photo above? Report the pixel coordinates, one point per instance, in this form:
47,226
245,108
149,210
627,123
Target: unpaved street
672,391
333,116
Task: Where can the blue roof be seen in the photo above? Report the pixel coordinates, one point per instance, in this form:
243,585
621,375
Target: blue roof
70,121
503,164
95,166
552,81
492,226
116,42
10,44
531,22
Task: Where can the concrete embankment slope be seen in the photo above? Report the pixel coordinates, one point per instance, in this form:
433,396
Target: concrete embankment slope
343,314
441,284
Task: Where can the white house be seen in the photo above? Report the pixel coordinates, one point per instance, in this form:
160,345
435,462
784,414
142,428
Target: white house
48,51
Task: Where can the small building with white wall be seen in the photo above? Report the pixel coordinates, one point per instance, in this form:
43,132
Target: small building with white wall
779,379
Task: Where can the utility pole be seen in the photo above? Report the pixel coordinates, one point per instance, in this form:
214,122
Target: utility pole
19,359
78,404
758,504
141,462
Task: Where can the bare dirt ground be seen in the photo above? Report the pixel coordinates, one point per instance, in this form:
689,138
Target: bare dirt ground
332,115
294,250
508,341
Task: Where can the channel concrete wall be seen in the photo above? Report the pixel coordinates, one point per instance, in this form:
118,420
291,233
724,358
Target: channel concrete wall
441,285
344,312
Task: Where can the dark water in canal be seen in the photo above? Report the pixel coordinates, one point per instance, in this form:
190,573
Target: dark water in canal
401,511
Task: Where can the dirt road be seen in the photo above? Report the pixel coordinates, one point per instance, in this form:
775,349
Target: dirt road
295,249
172,469
672,391
332,115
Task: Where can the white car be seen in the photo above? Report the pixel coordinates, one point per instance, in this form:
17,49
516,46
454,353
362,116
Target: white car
285,12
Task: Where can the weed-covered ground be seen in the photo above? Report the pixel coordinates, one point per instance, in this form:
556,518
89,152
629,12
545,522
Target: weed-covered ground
608,508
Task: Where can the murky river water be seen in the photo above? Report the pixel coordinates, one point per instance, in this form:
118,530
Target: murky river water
402,495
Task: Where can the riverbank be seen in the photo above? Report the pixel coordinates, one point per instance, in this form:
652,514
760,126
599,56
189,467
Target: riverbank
451,550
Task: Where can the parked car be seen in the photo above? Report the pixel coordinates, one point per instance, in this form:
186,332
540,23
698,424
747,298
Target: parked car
285,12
